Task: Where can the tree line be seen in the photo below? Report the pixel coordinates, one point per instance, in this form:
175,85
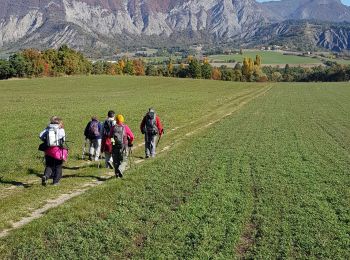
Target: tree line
66,61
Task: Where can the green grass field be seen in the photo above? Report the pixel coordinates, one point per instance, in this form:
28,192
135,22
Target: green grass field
253,171
268,57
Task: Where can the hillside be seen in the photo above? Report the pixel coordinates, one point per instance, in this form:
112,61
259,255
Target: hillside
105,25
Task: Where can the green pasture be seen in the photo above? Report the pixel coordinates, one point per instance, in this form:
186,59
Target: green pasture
161,59
268,180
27,105
268,57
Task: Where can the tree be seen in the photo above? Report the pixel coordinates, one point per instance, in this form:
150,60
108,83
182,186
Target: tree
129,68
182,71
110,68
151,70
19,65
170,68
238,66
98,68
226,73
237,75
5,69
72,62
216,74
35,61
194,69
257,61
139,68
206,71
120,66
52,62
276,76
248,68
286,69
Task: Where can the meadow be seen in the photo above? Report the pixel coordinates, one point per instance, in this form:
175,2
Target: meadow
274,58
251,171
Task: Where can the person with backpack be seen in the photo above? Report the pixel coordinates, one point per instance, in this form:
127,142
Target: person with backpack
122,137
151,127
106,146
53,137
93,132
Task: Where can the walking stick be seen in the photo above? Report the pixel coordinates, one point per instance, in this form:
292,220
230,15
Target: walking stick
160,136
84,150
130,155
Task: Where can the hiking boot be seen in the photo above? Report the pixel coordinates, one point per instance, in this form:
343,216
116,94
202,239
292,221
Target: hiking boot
43,180
147,156
118,174
55,184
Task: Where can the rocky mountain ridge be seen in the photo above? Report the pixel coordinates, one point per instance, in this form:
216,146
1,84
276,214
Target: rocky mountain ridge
103,24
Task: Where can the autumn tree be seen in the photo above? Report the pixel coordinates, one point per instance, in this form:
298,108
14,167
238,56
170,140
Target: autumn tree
139,68
257,61
216,74
35,61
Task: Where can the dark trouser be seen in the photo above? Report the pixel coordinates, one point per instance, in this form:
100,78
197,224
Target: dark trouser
53,169
120,159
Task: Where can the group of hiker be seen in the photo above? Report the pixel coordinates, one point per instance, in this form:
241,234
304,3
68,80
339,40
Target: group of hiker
113,138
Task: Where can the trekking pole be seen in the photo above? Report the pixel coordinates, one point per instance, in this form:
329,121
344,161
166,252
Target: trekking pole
99,162
160,136
84,149
131,159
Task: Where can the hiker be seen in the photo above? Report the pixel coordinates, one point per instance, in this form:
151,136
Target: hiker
53,137
93,132
151,126
122,137
106,146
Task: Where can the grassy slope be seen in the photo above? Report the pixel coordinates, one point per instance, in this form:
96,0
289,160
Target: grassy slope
177,101
276,171
26,106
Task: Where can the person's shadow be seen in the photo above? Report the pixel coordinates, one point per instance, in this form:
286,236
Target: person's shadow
15,183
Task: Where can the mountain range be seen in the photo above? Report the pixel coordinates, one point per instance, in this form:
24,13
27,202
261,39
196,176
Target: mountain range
91,25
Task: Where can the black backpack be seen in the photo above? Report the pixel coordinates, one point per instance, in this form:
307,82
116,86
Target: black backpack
107,126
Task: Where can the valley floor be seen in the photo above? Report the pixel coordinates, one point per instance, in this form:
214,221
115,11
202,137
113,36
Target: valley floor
263,175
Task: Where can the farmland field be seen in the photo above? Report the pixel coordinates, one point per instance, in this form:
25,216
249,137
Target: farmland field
253,171
268,57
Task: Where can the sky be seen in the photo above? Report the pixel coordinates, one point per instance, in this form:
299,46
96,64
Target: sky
346,2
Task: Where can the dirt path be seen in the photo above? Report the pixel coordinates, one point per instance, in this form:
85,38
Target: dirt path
219,114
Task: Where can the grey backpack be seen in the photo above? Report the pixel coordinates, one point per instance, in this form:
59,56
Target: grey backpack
120,138
150,125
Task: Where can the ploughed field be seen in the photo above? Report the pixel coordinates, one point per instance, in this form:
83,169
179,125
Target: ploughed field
244,170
